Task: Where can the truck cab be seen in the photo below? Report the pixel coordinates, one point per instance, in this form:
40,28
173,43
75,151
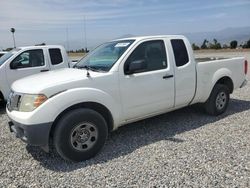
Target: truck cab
26,61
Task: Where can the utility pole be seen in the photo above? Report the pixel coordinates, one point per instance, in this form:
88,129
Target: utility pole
12,30
85,32
67,38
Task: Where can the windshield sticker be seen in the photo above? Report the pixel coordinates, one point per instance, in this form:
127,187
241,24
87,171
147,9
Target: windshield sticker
124,44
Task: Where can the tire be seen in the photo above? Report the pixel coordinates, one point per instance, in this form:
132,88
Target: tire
2,102
80,135
218,100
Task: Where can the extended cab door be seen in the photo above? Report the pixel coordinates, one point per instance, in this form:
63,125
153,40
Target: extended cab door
25,64
150,88
57,59
185,71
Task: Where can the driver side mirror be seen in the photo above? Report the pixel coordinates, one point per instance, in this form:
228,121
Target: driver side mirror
14,65
136,66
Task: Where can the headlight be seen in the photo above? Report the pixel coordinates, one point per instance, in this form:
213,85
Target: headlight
29,102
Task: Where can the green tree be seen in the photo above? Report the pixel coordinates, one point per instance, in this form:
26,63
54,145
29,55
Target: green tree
195,47
215,45
204,44
247,44
42,44
233,44
8,49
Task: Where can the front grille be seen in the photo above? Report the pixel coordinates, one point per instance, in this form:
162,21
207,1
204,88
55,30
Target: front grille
13,101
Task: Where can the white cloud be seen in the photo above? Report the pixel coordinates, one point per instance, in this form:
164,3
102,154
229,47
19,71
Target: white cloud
48,15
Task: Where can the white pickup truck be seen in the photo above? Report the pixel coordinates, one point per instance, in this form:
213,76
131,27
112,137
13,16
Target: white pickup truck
25,61
119,82
2,53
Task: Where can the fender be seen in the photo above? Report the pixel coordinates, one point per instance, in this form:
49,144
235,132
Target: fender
4,88
222,72
56,104
61,101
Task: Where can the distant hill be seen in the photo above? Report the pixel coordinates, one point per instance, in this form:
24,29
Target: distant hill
225,36
241,34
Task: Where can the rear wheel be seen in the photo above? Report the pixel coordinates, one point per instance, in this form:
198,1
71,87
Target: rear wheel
218,100
2,102
80,134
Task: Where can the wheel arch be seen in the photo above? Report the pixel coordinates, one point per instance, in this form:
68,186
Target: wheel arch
1,97
227,81
100,108
224,80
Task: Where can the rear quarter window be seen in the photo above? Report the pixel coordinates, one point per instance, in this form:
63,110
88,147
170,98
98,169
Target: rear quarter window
180,52
55,56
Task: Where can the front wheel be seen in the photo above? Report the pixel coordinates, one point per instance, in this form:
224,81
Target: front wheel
80,135
218,100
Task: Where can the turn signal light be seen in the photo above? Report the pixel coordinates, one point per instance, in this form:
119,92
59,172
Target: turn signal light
39,100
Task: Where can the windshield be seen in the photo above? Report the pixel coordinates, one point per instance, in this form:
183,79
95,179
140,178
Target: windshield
104,56
5,57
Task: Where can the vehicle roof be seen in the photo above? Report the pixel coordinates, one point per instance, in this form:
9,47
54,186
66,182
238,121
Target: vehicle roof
151,37
41,46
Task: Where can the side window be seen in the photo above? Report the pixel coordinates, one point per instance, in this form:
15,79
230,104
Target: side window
30,58
55,56
153,53
180,52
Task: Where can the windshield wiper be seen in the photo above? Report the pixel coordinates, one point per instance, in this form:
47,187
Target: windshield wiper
87,67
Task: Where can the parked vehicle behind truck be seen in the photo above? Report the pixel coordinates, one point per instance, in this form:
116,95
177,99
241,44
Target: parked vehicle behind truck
25,61
120,82
2,53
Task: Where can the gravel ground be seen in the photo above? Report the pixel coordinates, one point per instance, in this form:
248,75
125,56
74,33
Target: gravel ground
185,148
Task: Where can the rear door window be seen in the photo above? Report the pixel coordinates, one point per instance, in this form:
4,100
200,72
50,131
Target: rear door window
180,52
55,56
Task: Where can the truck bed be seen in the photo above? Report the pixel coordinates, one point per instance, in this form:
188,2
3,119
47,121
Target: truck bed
204,59
209,71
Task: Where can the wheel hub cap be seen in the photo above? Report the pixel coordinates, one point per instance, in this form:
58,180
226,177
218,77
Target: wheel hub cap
221,100
84,136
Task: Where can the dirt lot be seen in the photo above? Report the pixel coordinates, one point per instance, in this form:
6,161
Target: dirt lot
185,148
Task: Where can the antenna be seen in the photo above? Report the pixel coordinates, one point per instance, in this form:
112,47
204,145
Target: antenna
88,75
85,32
67,36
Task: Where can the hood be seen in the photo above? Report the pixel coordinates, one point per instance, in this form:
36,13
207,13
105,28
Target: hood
47,82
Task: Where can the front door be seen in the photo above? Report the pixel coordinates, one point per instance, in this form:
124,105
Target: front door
27,63
151,89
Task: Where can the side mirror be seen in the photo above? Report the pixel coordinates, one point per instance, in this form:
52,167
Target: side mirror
17,63
136,66
73,63
14,65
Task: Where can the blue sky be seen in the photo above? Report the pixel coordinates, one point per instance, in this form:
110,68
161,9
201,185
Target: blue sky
48,21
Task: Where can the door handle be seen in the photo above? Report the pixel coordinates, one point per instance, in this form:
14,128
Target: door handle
45,70
168,76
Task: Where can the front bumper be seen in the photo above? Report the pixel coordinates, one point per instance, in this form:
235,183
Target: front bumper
36,135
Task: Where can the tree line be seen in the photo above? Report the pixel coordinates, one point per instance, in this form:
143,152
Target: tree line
216,45
79,51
